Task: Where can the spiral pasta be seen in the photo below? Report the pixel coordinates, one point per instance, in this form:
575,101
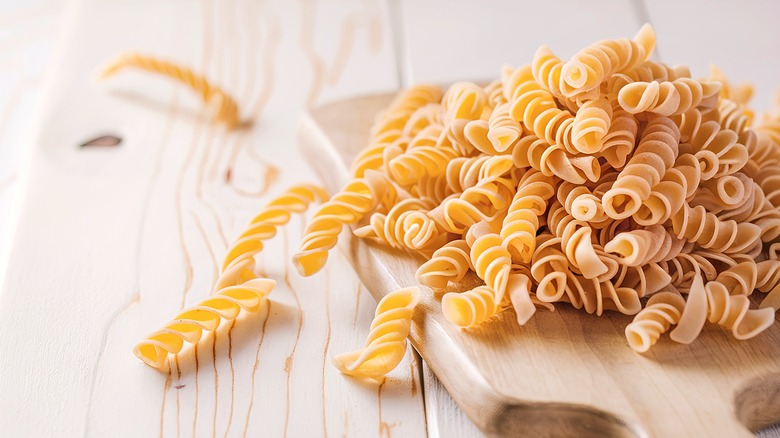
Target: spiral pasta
663,310
731,309
667,98
386,342
405,226
522,221
358,198
470,308
697,225
450,263
656,152
275,214
223,107
503,130
593,65
237,288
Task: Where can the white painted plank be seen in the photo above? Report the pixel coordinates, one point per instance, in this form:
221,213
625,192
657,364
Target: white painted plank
113,242
742,38
447,41
27,34
445,419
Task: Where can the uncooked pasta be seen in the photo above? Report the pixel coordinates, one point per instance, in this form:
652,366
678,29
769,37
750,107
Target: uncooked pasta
607,182
238,286
223,107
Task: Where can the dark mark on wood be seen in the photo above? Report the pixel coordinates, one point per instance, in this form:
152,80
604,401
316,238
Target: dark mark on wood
103,141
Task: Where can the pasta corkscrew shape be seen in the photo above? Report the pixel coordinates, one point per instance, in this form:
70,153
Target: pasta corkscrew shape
223,107
237,288
386,342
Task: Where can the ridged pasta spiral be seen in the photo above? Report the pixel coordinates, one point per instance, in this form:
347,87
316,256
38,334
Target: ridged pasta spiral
621,138
641,247
386,342
464,100
400,110
492,262
732,310
503,130
662,310
668,98
470,308
237,288
530,151
522,221
358,198
421,160
450,263
648,71
697,225
577,243
668,196
656,152
390,125
223,107
405,226
590,67
535,107
463,173
546,69
591,125
581,203
732,116
275,214
713,145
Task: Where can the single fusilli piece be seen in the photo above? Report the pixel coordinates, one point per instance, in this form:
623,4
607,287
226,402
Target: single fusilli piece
731,309
522,221
662,310
668,98
697,225
503,130
406,226
238,288
589,68
223,107
275,214
358,198
591,126
668,196
386,342
450,263
656,152
531,151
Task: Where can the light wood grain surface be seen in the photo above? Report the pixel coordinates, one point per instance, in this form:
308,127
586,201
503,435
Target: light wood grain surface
178,189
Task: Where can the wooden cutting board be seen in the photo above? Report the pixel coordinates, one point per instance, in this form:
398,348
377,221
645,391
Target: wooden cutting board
565,373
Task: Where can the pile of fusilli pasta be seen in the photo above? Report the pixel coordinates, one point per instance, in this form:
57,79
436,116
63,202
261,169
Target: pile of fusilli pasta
597,182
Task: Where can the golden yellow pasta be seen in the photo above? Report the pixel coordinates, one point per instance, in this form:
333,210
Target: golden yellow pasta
350,205
589,68
662,310
386,342
237,288
223,106
606,182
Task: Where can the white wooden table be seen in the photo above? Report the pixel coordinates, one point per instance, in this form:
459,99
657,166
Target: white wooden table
119,239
